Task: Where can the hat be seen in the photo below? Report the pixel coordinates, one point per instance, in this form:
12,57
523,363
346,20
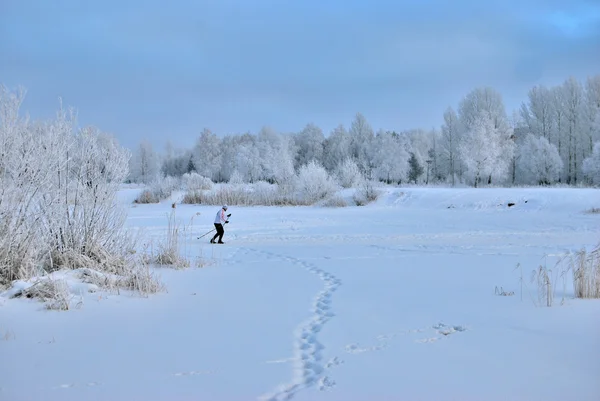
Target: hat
225,207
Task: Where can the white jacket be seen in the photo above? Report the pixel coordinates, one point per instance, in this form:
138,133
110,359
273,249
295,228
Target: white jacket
221,217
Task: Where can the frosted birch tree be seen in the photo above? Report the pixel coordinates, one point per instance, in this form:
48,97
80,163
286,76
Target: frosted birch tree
206,155
145,164
449,143
538,113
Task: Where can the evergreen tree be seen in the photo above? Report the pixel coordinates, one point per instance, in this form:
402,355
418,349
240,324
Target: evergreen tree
415,169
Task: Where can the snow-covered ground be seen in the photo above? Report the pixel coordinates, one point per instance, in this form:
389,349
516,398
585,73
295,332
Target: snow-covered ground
390,301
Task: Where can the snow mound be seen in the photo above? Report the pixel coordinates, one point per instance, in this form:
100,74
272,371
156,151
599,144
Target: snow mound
492,199
63,289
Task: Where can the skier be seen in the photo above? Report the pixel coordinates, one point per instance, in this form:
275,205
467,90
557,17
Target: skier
220,219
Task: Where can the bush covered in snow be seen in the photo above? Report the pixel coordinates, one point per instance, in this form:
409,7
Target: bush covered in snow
366,193
196,182
311,185
58,187
159,189
348,174
314,183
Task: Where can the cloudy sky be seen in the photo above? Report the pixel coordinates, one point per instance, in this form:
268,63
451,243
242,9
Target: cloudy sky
164,70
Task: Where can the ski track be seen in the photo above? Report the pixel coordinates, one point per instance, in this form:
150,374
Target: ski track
308,366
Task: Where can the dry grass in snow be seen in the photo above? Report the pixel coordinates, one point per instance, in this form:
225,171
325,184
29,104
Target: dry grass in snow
586,273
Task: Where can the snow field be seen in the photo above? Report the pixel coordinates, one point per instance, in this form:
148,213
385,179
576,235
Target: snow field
394,300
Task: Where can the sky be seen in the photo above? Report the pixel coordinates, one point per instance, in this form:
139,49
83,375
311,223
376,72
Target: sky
163,71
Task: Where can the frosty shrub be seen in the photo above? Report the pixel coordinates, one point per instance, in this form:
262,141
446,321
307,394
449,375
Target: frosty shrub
366,193
348,174
314,183
147,196
58,187
335,201
193,198
159,189
264,193
195,182
260,193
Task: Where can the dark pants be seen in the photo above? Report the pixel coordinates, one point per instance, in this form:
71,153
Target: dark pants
219,233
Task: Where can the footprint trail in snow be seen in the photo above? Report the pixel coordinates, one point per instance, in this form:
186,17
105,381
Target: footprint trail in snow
308,368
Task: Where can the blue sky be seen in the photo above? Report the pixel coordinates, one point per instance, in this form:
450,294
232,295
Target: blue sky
163,71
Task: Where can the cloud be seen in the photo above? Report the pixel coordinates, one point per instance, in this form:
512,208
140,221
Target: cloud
156,70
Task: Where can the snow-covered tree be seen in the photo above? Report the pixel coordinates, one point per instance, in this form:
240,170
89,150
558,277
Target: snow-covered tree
538,113
309,144
336,148
482,150
361,136
348,174
276,157
449,144
573,108
247,159
206,155
592,113
389,157
539,161
145,164
483,102
591,165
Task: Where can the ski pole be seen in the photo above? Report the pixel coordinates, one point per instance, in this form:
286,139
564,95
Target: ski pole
206,233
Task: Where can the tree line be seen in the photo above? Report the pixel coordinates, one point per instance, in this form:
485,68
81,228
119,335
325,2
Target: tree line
553,138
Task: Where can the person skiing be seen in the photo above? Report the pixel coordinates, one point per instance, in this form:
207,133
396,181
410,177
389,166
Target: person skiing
220,219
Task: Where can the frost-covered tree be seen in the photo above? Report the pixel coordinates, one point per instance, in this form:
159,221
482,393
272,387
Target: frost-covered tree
276,157
538,113
336,148
482,150
483,102
449,143
180,163
573,97
361,137
309,145
348,174
539,161
484,119
592,113
591,165
247,160
206,155
389,157
145,164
